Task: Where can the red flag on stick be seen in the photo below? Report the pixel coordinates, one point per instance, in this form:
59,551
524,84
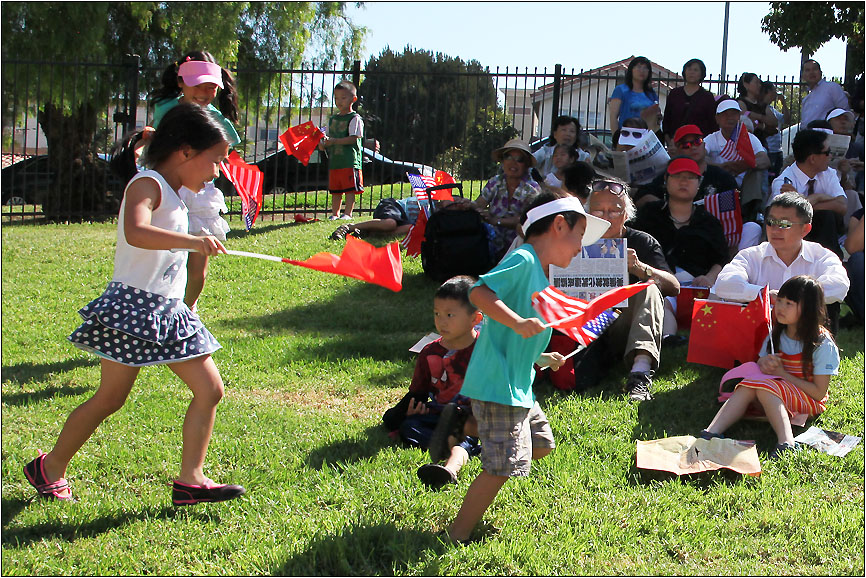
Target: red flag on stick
725,334
300,141
442,178
248,180
361,260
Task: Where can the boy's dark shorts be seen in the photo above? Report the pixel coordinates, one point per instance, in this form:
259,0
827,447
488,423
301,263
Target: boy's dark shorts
391,209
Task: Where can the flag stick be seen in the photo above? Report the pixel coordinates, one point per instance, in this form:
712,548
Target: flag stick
241,254
578,349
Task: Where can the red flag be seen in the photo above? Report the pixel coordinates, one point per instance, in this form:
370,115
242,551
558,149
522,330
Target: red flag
361,260
415,236
685,304
744,146
724,334
442,178
725,207
248,181
300,141
570,314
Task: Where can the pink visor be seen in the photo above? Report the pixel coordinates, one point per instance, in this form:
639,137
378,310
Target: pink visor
195,72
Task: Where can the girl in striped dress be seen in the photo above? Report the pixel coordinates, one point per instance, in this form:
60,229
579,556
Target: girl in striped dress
797,375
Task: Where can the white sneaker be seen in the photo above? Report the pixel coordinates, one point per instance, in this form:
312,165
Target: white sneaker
333,217
345,217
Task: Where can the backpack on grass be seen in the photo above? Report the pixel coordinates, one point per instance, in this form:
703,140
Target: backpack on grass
455,243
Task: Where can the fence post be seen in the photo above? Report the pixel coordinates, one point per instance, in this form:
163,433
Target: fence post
557,88
356,73
134,62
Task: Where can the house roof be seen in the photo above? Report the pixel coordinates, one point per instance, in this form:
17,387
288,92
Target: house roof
664,78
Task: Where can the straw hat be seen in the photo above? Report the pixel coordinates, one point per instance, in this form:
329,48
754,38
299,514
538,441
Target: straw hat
513,144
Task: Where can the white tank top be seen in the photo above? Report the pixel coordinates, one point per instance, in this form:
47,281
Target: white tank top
161,272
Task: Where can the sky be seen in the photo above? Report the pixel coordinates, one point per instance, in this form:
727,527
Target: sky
585,35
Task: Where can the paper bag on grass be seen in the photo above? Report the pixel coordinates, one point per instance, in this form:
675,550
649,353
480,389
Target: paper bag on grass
688,455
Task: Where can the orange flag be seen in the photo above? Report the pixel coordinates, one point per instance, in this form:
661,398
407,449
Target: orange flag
361,260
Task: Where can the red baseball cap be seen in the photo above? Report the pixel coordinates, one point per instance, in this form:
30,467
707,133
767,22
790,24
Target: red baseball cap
686,130
682,165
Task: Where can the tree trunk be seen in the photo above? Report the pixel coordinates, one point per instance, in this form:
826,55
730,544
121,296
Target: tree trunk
78,189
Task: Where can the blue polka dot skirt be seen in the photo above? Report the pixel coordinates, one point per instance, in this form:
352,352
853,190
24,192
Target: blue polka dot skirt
138,328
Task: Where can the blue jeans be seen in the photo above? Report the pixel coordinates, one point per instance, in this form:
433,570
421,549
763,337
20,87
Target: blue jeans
854,265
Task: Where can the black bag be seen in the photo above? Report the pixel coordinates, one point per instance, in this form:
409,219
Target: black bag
455,243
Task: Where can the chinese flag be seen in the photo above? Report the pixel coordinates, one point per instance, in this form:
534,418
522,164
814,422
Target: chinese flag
442,178
685,302
744,146
300,141
361,260
726,334
415,236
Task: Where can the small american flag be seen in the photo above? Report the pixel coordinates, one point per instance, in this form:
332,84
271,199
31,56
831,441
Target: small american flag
419,185
726,208
574,316
248,181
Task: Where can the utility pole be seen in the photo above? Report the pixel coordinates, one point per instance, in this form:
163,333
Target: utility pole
723,77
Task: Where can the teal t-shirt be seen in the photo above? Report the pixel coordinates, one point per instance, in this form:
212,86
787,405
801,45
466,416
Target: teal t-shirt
500,369
163,106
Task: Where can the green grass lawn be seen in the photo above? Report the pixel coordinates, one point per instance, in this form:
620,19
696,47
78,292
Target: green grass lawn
310,362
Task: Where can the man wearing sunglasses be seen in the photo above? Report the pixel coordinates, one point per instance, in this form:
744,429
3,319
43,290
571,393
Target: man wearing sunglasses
688,142
812,177
785,254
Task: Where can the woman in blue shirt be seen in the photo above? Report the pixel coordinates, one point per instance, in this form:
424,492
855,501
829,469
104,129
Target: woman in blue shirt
630,99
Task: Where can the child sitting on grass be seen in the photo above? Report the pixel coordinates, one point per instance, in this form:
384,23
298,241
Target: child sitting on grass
797,375
436,385
511,425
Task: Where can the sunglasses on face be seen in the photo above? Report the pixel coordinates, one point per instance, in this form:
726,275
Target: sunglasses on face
690,144
516,158
612,213
615,188
632,133
826,152
781,223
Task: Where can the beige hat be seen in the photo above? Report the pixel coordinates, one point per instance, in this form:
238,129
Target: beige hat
513,144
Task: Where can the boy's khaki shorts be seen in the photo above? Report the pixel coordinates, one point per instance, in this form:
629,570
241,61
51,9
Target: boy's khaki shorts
508,434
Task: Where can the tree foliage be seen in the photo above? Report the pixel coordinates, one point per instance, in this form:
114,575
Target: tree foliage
808,25
419,104
253,35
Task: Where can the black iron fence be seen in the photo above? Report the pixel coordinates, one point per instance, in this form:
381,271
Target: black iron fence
61,119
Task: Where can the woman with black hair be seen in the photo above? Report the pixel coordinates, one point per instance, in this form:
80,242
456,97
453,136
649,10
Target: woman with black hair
690,103
565,131
630,99
755,109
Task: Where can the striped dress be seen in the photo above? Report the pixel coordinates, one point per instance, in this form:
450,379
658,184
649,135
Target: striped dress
794,398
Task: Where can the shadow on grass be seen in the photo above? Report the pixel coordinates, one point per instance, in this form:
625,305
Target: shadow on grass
18,537
21,373
10,509
359,550
362,447
26,398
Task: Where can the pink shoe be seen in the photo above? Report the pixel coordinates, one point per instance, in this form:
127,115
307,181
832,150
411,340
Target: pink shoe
35,472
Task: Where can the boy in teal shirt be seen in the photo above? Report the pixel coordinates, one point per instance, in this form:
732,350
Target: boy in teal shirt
511,425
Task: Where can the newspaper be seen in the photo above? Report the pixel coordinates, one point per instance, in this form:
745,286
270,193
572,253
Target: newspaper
599,268
838,144
641,164
829,442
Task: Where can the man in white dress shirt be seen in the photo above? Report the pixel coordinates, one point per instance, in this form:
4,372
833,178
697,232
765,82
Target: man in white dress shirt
812,177
784,255
823,95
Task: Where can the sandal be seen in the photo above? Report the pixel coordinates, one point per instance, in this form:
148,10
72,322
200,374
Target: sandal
708,435
35,472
